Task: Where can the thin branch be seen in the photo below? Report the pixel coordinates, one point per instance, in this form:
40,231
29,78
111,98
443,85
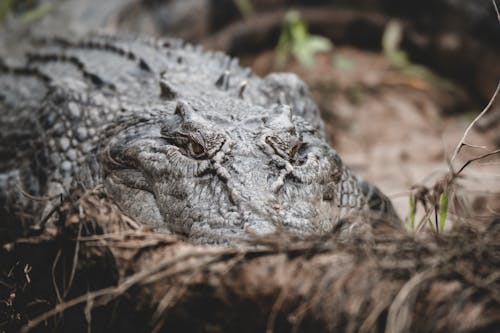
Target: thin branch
486,109
496,10
424,219
35,197
477,159
75,261
474,146
42,223
53,273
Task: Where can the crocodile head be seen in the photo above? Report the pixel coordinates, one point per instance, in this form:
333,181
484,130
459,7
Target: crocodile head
218,168
215,177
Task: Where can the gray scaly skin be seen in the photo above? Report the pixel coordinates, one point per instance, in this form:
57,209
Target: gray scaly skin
182,140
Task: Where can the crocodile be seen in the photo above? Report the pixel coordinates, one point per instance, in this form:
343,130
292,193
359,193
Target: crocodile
183,140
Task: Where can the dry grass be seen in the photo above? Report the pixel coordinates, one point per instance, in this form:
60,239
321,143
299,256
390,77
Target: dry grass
95,269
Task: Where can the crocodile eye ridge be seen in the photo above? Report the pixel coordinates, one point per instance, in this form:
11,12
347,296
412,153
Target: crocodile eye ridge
285,145
200,146
187,145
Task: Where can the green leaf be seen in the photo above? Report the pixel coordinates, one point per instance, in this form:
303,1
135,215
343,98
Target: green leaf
398,59
443,210
37,13
412,211
303,55
318,44
4,8
304,50
298,31
296,40
392,36
245,8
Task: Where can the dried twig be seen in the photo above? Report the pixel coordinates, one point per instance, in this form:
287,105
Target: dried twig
486,109
474,146
496,10
477,159
75,261
442,187
53,276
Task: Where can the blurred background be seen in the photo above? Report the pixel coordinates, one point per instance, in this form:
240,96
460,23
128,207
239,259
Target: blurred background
397,82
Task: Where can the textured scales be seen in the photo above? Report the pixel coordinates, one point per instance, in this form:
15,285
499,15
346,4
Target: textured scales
182,140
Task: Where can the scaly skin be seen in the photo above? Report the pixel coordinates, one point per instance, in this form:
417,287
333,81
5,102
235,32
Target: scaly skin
182,140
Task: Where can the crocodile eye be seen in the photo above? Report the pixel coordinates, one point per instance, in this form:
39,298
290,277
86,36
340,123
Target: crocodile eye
187,145
286,146
277,145
196,148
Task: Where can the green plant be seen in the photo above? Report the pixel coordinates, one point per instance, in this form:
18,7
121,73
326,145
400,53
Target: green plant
413,211
39,12
443,210
26,11
245,8
399,59
5,6
435,199
296,40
